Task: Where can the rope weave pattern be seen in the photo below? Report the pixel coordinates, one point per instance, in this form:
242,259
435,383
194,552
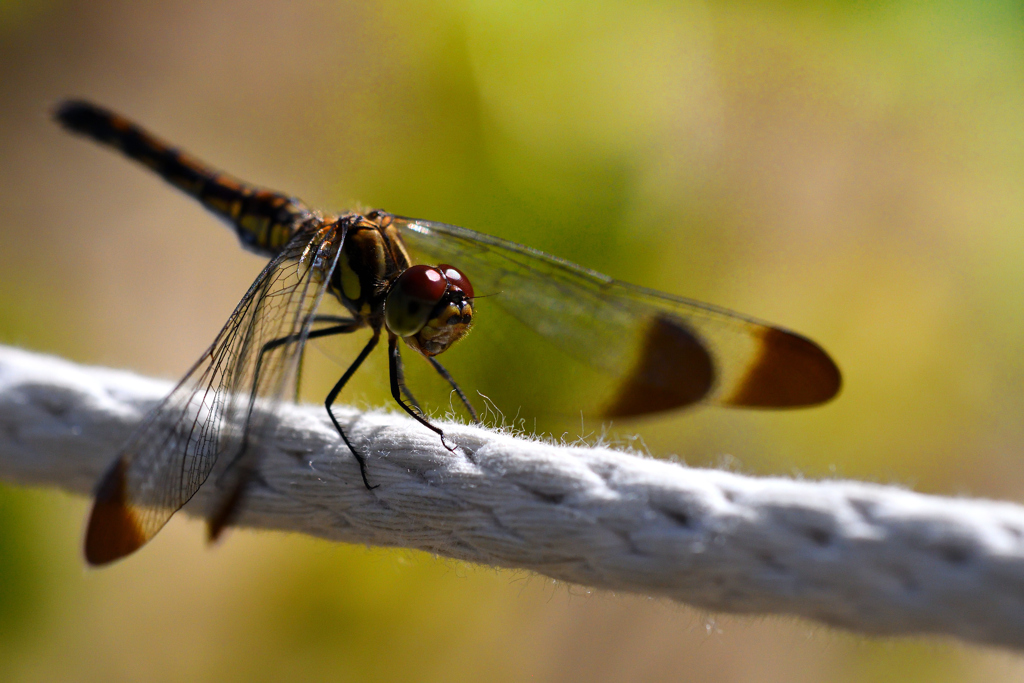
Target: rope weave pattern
868,558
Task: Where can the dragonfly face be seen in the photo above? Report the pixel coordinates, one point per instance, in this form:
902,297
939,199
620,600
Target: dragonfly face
430,308
660,352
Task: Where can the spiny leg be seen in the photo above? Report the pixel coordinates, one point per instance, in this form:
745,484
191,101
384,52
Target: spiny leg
405,389
394,361
226,510
458,390
341,326
334,394
315,319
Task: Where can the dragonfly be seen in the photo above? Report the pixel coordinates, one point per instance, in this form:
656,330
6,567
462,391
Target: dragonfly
661,352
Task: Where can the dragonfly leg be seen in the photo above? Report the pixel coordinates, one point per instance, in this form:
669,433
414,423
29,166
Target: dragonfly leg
394,362
458,390
226,510
338,321
341,326
400,369
337,390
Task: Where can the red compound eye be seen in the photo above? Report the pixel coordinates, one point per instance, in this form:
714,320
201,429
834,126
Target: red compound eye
411,299
456,278
423,283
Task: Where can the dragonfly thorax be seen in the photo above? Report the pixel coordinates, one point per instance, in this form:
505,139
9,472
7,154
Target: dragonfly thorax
372,257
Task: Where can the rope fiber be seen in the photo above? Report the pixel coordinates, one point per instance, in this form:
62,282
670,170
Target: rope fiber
869,558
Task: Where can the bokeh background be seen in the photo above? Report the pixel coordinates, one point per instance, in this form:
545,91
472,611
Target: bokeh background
854,171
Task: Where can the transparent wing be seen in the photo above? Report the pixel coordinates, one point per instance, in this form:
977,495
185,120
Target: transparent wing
211,413
664,351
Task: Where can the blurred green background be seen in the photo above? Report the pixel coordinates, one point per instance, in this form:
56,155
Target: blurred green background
854,171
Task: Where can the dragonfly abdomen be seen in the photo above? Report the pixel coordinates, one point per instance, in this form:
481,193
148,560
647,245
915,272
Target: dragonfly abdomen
264,220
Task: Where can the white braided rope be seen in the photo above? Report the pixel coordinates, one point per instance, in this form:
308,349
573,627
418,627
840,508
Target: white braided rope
869,558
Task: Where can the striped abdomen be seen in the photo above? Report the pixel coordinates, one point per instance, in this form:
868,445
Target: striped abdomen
264,220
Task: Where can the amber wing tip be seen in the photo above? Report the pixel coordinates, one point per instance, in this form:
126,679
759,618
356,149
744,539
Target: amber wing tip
791,371
113,533
226,512
114,529
674,370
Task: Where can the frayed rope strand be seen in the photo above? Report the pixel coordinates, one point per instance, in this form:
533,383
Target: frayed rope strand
869,558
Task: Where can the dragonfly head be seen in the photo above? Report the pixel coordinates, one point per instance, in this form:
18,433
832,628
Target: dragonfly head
430,307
